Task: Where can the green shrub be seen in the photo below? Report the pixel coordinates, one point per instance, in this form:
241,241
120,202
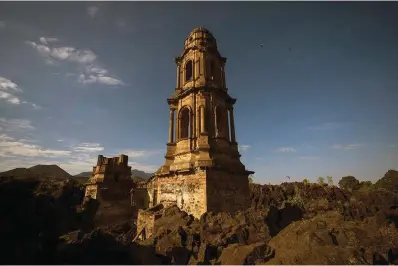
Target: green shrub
349,182
296,200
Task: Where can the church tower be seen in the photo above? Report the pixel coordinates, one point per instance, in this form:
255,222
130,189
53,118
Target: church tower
203,171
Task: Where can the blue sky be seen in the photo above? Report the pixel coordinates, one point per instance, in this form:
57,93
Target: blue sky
78,79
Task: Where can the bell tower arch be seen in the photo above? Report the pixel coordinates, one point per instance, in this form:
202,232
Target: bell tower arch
202,147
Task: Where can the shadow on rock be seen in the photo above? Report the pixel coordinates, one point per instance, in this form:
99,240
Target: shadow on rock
278,219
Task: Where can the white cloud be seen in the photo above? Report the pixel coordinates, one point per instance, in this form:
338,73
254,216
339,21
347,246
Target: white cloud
243,147
14,125
9,97
131,153
93,72
88,79
347,147
73,156
10,147
92,11
6,86
285,149
47,40
88,147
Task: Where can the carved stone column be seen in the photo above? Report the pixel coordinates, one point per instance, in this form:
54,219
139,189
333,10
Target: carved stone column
202,119
223,77
232,122
171,126
178,76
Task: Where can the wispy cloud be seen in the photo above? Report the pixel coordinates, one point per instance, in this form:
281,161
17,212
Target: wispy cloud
15,125
8,89
243,147
327,126
392,146
2,24
92,11
72,155
310,158
85,59
347,147
10,147
88,147
47,40
285,149
132,153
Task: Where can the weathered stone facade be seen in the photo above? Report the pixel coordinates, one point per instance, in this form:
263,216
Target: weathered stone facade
111,184
202,171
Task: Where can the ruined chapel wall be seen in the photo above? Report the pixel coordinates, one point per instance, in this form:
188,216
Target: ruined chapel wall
115,201
227,192
188,192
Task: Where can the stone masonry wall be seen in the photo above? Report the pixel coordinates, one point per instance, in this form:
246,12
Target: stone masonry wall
187,191
227,192
114,202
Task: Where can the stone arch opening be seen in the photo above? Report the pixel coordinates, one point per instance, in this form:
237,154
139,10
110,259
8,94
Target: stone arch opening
221,121
185,123
212,69
188,70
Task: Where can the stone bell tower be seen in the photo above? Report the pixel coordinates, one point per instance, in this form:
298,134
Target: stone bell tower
203,171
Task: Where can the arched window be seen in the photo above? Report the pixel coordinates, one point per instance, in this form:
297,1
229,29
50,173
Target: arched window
184,123
220,121
212,68
188,70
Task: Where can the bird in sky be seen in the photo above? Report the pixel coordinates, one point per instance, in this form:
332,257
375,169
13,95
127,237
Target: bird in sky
288,177
261,45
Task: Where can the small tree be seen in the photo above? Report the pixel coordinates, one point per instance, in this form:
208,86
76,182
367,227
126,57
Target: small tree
329,180
321,180
306,181
349,182
250,179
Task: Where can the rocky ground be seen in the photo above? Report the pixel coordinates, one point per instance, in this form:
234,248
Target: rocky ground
291,223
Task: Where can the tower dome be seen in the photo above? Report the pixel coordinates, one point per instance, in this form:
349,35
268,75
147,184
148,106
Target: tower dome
200,29
200,36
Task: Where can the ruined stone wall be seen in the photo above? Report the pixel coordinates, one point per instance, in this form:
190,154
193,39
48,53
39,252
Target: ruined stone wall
141,198
114,201
227,192
187,191
146,219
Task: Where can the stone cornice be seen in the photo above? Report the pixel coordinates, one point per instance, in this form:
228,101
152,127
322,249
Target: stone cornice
206,49
205,89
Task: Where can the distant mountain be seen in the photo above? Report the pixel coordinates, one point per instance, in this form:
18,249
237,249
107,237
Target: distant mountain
141,174
83,175
17,172
38,171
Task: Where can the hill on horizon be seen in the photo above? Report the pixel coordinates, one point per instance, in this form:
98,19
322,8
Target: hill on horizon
39,170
